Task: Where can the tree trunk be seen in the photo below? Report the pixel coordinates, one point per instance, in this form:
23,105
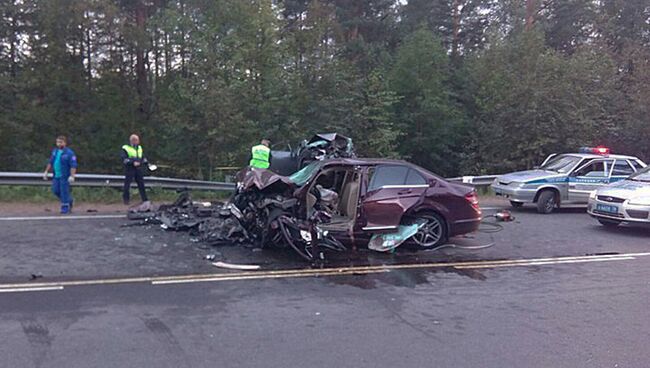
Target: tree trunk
140,71
531,9
455,35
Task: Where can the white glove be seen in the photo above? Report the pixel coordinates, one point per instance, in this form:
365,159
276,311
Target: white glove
45,176
70,179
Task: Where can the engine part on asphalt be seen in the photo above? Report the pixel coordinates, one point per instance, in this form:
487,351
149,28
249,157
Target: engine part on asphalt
504,216
145,206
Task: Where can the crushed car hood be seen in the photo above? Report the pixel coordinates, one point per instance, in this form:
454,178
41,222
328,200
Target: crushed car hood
263,180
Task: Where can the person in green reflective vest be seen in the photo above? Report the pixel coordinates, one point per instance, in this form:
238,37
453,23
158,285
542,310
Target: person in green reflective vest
133,160
261,155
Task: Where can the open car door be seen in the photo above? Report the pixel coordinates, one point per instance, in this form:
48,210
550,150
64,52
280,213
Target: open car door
392,190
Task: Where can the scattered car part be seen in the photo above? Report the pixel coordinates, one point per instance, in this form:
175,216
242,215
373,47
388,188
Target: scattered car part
232,266
504,216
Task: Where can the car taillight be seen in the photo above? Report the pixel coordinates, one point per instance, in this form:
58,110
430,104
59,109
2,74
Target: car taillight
472,198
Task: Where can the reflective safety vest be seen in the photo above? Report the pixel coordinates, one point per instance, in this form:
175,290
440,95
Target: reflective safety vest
132,152
261,155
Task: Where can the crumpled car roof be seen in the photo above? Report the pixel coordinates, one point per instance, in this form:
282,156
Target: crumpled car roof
330,137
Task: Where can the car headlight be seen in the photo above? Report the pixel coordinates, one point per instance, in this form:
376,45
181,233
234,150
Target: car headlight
640,201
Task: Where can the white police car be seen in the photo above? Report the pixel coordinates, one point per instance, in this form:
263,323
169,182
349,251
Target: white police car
566,178
624,201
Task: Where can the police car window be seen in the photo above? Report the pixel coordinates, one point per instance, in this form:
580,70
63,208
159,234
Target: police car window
636,165
643,175
561,163
594,169
414,178
388,175
622,167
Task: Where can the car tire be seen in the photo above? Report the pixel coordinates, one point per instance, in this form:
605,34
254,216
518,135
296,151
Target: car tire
546,202
609,223
432,234
516,204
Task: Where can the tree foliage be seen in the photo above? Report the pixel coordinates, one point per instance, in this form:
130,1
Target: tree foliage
458,86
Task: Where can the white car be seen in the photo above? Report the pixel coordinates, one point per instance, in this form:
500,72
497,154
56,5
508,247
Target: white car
624,201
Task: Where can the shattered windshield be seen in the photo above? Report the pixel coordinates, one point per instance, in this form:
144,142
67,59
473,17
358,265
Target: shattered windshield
301,177
643,175
561,164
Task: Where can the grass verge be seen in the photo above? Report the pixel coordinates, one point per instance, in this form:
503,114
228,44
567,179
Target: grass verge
34,194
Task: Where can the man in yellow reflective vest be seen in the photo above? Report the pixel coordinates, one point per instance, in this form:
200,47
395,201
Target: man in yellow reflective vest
133,159
261,155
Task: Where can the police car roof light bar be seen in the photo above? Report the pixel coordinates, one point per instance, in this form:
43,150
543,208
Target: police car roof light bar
600,150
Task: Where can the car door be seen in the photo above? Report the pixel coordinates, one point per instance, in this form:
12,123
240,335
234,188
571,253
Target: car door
589,177
391,190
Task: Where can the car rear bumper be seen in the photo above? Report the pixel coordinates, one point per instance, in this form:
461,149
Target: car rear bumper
461,227
626,212
514,193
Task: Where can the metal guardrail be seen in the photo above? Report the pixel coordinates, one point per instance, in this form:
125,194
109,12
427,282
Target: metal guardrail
117,181
114,181
478,181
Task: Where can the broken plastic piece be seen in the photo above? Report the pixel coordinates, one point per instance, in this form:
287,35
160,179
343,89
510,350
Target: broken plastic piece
390,241
232,266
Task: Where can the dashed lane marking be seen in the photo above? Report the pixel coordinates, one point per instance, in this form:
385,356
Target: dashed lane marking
63,217
25,289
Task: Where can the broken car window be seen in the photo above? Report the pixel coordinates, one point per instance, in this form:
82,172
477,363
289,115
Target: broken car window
302,176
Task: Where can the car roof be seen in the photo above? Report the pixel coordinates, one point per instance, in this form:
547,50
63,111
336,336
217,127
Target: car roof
367,161
591,155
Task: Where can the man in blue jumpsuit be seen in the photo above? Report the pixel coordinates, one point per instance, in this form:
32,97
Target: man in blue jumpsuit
63,163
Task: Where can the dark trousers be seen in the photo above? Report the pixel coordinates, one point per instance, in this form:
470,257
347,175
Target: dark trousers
130,174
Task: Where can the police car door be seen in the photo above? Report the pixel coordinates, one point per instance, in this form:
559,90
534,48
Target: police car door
588,178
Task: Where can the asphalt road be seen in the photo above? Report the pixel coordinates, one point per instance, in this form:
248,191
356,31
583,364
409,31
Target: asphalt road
554,291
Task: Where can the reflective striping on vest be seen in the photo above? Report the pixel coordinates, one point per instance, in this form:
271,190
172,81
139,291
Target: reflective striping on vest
132,152
261,155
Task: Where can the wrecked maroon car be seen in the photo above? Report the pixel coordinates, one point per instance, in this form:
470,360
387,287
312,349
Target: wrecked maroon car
341,203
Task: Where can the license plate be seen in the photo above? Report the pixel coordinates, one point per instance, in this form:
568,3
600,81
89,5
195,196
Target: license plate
606,208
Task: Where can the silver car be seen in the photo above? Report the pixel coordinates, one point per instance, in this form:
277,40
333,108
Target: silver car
565,178
624,201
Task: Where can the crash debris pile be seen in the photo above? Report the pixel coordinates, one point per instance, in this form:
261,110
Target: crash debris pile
261,213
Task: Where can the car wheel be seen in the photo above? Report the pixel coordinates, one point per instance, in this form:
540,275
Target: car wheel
609,223
546,202
433,233
516,204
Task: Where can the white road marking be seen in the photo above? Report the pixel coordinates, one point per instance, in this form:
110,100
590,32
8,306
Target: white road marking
62,217
26,289
324,272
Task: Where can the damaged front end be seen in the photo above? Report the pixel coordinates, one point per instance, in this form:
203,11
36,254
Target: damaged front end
263,212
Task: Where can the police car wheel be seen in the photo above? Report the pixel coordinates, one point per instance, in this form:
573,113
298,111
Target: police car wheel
546,202
609,223
516,204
